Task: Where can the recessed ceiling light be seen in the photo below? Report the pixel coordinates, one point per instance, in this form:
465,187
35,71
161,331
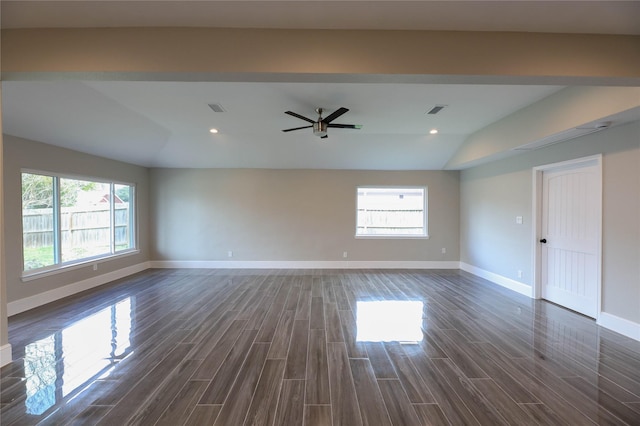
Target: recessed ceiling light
213,130
433,131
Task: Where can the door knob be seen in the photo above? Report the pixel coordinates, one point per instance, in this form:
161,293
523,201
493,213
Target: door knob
543,241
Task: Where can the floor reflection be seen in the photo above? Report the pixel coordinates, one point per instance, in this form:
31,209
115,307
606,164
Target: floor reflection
64,363
389,321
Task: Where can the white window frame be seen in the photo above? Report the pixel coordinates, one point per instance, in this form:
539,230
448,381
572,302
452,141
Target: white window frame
425,213
60,266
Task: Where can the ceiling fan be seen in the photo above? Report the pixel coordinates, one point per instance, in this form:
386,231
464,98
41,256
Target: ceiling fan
320,127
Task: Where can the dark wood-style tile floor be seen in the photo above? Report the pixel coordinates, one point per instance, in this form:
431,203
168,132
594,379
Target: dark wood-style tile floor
240,347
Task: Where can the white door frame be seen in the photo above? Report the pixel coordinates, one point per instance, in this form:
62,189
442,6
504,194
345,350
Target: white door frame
593,160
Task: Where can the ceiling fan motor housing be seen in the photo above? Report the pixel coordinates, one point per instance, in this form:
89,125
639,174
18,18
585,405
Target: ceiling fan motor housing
320,128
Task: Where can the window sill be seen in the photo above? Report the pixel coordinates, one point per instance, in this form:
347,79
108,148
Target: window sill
392,237
30,276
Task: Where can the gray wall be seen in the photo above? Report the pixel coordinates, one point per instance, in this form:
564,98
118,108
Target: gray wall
289,215
24,154
492,196
200,214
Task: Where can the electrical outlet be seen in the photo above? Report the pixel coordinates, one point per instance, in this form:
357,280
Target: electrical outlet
519,220
344,254
95,266
229,253
519,273
444,250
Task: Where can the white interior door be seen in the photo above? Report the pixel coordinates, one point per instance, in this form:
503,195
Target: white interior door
569,255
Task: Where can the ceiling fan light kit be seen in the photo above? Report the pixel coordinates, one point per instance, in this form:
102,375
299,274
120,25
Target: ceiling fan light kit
320,129
322,124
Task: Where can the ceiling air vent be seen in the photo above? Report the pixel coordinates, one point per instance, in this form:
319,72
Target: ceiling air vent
563,136
216,108
436,109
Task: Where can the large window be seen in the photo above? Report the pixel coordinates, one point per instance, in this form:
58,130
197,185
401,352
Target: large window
67,220
391,212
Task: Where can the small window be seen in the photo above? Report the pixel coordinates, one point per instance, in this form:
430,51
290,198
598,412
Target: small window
392,212
67,221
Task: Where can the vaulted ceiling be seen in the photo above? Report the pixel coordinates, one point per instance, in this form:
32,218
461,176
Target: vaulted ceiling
166,123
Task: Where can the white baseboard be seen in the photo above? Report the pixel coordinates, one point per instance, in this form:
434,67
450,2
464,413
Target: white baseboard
5,355
40,299
619,325
514,285
304,264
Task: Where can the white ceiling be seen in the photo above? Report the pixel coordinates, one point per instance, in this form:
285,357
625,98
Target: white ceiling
165,124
